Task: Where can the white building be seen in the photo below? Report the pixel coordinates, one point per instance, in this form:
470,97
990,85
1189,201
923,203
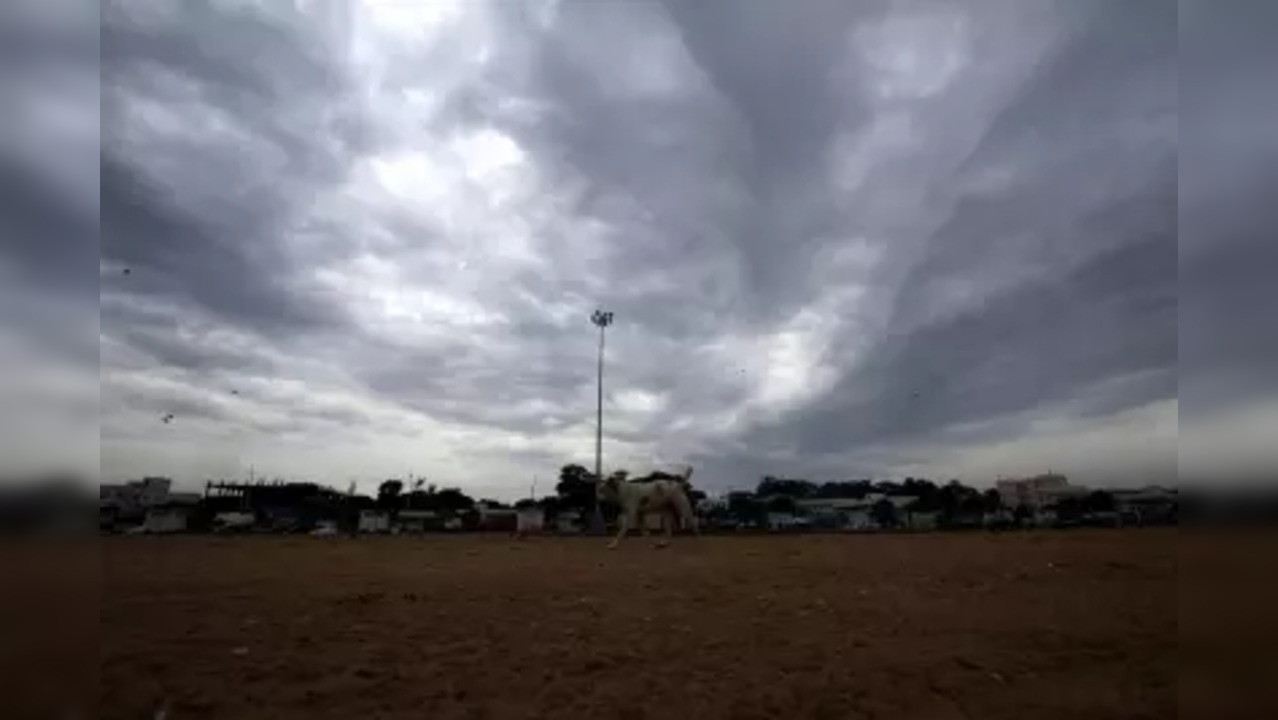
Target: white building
569,522
416,521
135,496
856,513
786,521
921,520
148,504
374,521
233,520
1146,503
530,519
1036,492
170,518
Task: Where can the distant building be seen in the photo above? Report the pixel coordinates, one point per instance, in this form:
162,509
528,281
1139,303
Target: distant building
167,518
233,521
417,521
282,506
1148,504
530,520
134,496
708,505
1036,492
778,521
921,520
496,518
569,522
853,513
374,521
132,503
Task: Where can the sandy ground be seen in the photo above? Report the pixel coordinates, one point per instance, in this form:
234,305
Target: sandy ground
1025,625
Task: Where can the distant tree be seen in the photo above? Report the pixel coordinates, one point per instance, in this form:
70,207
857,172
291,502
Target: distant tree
1068,508
452,500
852,489
744,507
830,490
526,503
992,501
949,499
1023,514
388,493
549,504
883,513
927,496
1098,501
918,487
920,505
575,489
972,504
795,488
889,488
782,504
570,476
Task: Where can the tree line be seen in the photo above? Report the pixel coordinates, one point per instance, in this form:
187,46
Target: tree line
575,492
953,503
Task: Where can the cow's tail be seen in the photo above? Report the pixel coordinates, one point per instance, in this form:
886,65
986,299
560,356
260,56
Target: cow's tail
685,478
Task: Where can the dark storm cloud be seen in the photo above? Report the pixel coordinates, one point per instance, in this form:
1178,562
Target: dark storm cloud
47,235
776,73
167,339
1226,323
518,393
981,198
707,174
1058,278
1086,234
48,218
197,204
1037,345
245,409
1228,342
226,265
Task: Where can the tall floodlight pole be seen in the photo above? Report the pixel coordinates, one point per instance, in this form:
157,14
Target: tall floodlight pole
602,320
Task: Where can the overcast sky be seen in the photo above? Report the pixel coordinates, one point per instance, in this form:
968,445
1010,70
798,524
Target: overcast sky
353,240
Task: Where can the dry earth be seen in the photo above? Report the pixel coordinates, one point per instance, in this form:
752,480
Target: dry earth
1021,625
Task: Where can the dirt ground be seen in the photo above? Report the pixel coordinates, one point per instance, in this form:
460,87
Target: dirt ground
1020,625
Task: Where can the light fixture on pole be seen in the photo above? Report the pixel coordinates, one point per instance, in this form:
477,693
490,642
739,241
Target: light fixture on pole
602,320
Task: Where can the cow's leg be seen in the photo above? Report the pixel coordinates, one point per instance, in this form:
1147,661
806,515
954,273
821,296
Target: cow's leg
684,507
690,520
661,515
624,521
667,527
642,512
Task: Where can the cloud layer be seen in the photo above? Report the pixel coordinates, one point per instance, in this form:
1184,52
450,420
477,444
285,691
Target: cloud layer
346,240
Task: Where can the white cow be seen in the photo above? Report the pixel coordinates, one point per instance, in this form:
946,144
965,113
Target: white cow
658,492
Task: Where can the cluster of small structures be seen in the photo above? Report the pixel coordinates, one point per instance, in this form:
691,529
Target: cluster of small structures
1047,500
150,505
